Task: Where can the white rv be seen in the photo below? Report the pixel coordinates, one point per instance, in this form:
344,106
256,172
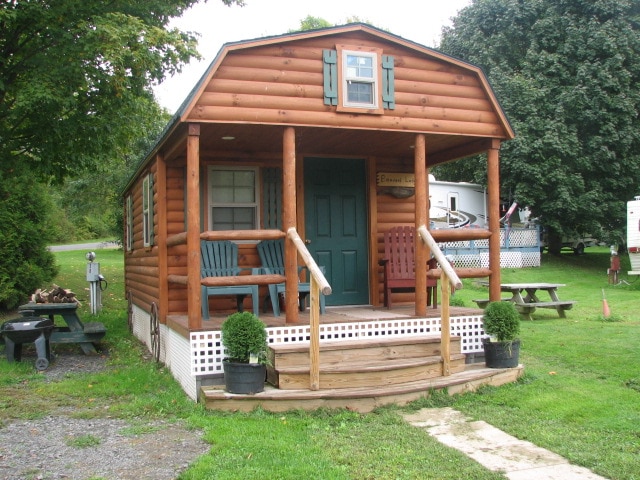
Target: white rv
633,234
457,204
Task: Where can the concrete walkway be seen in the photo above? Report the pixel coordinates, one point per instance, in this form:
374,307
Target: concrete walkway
494,449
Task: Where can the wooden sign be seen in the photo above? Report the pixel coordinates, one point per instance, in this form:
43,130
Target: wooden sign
384,179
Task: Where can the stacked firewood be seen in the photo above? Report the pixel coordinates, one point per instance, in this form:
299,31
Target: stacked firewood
54,295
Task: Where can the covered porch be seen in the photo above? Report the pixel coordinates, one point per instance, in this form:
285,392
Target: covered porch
270,110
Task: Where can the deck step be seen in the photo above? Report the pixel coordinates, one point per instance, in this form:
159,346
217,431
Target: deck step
360,399
376,349
365,362
364,372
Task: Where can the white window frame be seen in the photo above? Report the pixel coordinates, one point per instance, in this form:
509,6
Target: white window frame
255,204
147,209
375,106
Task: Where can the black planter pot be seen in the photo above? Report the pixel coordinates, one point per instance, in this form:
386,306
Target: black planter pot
501,354
246,378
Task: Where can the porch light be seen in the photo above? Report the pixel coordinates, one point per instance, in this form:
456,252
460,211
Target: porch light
228,137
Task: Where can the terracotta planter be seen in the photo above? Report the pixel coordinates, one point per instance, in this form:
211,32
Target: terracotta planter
245,378
501,354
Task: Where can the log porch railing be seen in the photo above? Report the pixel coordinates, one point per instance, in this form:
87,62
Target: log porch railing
448,280
318,282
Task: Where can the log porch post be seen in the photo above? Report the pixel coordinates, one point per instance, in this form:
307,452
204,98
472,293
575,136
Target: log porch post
194,294
288,221
421,250
493,180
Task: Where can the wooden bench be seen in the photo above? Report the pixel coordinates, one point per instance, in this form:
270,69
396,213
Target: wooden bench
75,331
92,332
483,302
527,309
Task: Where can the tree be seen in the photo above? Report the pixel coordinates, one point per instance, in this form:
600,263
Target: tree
311,23
75,94
71,70
568,75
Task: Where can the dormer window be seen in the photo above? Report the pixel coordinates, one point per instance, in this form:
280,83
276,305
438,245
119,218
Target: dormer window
358,79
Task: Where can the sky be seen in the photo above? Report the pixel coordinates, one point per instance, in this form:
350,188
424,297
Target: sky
420,21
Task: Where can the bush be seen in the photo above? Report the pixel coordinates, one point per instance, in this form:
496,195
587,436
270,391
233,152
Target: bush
243,334
25,262
502,321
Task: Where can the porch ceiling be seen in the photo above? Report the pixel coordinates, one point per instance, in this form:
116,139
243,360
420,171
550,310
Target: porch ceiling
256,141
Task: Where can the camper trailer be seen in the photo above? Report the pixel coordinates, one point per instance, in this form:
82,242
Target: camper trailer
633,234
457,204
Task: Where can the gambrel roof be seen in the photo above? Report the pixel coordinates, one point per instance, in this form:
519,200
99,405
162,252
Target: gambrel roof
254,88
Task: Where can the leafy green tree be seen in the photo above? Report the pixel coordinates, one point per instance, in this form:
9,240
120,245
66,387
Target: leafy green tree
311,23
568,75
76,81
90,205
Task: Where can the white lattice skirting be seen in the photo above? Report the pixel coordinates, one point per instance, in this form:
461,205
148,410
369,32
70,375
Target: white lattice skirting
207,351
201,355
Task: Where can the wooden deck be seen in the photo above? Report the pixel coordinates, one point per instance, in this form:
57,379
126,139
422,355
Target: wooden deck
342,314
363,374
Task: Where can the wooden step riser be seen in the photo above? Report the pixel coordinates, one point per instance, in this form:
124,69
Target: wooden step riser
359,400
354,379
379,353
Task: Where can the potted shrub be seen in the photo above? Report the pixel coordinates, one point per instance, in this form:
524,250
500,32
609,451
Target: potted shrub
502,322
244,337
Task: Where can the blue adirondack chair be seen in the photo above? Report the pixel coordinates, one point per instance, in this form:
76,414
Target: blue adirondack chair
271,254
220,259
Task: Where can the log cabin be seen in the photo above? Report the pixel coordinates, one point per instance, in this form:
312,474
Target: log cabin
293,137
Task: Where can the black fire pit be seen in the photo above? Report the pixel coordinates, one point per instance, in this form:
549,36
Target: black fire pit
28,330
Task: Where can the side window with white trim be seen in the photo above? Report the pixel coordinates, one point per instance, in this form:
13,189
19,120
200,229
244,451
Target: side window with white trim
233,198
147,210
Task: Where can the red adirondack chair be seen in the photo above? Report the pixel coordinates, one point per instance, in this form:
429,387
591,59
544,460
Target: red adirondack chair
399,265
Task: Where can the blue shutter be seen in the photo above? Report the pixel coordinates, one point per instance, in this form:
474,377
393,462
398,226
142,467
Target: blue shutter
272,198
330,60
388,87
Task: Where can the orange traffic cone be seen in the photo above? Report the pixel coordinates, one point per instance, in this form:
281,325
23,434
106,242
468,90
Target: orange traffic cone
605,306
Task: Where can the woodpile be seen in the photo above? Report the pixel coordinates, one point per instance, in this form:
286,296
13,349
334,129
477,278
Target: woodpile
55,295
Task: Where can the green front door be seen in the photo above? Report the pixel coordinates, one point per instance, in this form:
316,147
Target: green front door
336,225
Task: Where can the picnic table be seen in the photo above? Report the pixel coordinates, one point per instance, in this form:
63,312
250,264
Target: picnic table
525,297
75,331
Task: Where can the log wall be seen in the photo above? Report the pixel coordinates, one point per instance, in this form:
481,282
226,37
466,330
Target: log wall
390,212
141,263
284,85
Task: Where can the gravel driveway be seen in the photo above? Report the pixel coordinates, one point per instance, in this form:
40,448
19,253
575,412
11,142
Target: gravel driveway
62,447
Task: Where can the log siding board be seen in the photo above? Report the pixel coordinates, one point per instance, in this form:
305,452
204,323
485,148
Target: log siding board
338,120
420,107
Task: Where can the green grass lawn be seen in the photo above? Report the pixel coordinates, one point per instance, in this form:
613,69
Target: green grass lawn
579,397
